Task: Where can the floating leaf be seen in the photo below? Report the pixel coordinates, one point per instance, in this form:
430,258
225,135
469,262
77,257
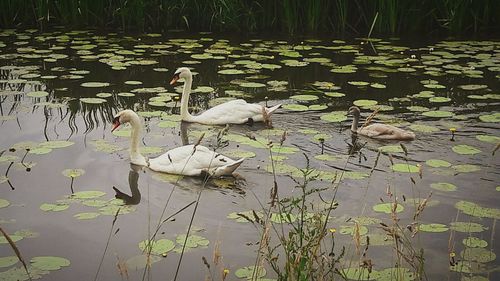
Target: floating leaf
439,99
478,254
351,229
359,273
336,116
473,209
443,186
73,173
93,100
467,227
466,168
193,241
474,242
433,227
488,138
4,203
158,247
423,128
86,216
8,261
387,208
472,87
141,261
304,97
94,84
283,218
365,103
249,272
56,144
237,153
91,194
54,207
327,157
396,273
437,163
438,113
49,262
391,149
37,94
13,237
492,118
465,149
405,168
295,107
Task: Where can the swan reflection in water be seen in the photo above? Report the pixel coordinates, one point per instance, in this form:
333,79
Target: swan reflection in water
133,178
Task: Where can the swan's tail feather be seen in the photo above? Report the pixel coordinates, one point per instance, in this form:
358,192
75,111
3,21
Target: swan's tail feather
228,169
270,110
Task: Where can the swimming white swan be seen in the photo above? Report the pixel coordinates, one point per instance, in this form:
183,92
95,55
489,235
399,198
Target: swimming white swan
378,131
188,160
231,112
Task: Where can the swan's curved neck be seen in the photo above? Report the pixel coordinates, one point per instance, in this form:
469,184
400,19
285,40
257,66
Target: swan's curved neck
135,156
355,121
186,91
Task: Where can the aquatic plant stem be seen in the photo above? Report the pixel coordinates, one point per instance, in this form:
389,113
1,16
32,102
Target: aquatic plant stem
107,243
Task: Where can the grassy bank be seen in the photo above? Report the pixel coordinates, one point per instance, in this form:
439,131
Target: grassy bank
339,17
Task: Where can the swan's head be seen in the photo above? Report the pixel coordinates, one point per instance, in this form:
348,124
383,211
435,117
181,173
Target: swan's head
123,117
354,110
182,72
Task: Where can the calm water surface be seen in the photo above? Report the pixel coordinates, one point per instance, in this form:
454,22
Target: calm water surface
43,98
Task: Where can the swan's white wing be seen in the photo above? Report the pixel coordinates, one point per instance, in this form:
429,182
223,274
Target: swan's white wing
385,131
231,112
186,160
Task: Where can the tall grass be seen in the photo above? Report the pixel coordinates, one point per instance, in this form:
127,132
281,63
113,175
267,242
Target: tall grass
291,16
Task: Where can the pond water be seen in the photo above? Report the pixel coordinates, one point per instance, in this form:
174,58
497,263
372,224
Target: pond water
55,135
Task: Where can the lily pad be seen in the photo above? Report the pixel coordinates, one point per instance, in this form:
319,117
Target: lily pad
158,247
351,229
91,194
193,241
93,100
304,97
444,186
474,242
438,113
423,128
467,227
8,261
249,272
488,138
336,116
433,227
141,261
365,103
86,216
492,118
466,168
359,273
478,254
465,149
405,168
396,273
296,107
391,149
37,94
53,207
56,144
73,173
49,262
95,84
387,208
4,203
438,163
473,209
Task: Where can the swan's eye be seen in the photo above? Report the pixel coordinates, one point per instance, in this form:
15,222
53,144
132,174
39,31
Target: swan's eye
116,120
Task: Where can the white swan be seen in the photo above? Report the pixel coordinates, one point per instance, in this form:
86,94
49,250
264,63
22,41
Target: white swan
188,160
378,131
231,112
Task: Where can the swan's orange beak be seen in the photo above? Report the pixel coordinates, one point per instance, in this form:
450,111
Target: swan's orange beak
115,125
174,80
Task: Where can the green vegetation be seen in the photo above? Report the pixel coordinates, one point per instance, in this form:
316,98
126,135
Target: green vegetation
292,16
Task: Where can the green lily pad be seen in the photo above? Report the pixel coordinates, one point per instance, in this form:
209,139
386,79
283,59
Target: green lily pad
433,227
336,116
405,168
8,261
353,175
252,85
241,216
438,163
492,118
439,99
444,186
47,207
56,144
231,71
474,242
4,203
481,255
296,107
13,237
466,168
37,94
465,149
73,173
49,262
351,229
249,272
327,157
193,241
359,273
396,273
237,153
158,247
111,210
438,113
365,103
488,138
423,128
86,216
283,218
304,97
141,261
334,94
473,87
387,208
467,267
95,84
104,95
417,108
91,194
467,227
473,209
93,100
391,149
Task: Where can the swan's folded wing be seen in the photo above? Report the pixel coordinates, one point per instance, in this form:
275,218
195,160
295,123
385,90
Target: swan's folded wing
235,111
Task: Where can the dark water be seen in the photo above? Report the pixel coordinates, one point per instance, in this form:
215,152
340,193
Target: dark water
27,58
